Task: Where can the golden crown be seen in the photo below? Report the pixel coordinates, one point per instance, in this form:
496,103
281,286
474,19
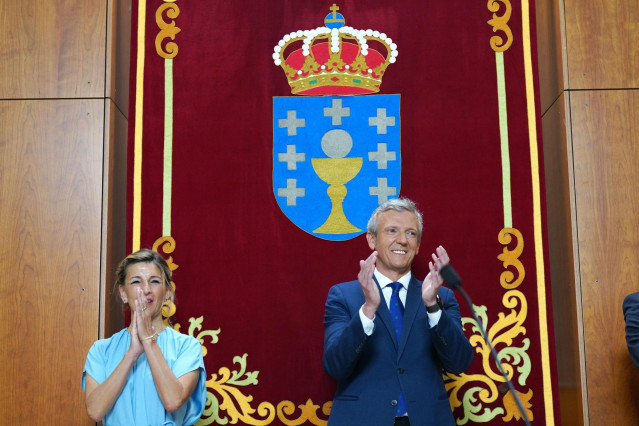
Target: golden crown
335,59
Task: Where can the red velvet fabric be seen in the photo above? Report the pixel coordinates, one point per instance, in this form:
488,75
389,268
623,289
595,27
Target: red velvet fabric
251,272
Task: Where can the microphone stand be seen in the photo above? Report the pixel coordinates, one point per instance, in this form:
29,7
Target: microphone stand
454,281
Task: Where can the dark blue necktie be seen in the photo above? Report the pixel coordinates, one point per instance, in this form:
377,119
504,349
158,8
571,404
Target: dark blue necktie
397,315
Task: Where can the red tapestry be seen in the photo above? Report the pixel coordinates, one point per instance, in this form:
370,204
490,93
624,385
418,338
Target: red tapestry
261,210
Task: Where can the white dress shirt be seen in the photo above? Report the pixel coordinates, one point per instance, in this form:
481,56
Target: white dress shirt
387,291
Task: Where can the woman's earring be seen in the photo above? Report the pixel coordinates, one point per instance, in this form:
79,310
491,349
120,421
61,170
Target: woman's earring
124,300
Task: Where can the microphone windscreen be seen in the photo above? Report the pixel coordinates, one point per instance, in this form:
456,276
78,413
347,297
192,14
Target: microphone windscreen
450,277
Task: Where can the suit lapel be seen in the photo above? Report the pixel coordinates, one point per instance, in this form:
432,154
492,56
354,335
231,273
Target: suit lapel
413,301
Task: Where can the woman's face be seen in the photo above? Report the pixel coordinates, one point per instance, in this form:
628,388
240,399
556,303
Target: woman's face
146,279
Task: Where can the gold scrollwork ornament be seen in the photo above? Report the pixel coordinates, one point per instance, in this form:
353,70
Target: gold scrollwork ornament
225,396
478,394
511,258
308,413
168,30
500,23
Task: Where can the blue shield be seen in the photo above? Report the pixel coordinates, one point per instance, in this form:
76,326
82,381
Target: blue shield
335,159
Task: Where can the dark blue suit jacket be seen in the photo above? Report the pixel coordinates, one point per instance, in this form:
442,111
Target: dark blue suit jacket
631,317
371,370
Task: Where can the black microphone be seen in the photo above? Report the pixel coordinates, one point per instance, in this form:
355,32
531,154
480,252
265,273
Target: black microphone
453,281
451,278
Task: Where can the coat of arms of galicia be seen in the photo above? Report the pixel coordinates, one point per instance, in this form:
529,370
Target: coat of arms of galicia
336,156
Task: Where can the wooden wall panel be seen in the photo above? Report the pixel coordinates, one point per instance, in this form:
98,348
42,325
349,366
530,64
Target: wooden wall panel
601,43
562,254
52,49
114,217
605,130
118,53
50,215
549,16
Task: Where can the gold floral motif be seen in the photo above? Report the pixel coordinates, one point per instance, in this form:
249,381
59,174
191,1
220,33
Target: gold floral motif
308,413
196,324
500,23
475,393
511,258
336,62
359,64
290,71
225,395
503,334
512,411
478,394
170,50
310,65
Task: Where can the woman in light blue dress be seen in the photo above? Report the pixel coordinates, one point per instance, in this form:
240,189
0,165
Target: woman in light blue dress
146,374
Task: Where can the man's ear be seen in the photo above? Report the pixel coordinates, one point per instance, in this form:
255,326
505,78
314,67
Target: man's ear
371,240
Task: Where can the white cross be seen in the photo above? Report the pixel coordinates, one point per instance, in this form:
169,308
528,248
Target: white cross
291,122
381,156
381,121
336,112
291,192
291,157
382,190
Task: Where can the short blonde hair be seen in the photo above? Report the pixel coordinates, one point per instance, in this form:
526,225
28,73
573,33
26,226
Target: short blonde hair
398,205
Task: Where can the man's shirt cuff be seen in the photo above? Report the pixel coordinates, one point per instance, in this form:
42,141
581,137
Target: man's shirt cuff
433,319
369,324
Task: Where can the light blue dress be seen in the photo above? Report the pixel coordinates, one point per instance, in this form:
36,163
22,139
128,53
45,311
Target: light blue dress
139,403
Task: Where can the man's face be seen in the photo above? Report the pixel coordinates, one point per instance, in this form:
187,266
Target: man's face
396,242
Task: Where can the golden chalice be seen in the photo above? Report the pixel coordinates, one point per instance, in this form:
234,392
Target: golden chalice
336,172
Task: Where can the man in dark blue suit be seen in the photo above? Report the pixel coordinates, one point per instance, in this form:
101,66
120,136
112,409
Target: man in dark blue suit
387,336
631,317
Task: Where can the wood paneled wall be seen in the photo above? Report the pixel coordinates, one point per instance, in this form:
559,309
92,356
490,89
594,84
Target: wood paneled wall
53,49
605,133
50,212
588,73
63,121
562,247
114,220
550,42
115,159
601,44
